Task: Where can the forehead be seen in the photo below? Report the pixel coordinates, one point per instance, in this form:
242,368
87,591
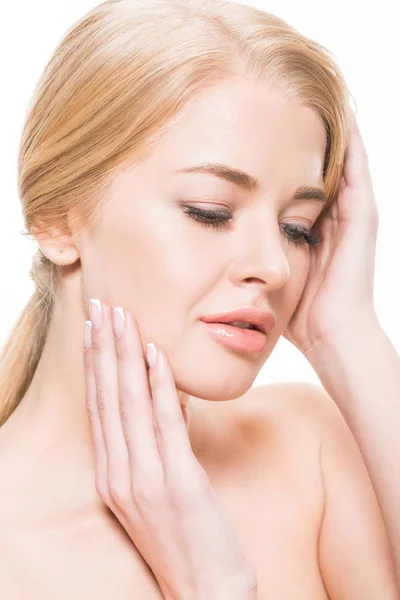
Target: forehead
249,126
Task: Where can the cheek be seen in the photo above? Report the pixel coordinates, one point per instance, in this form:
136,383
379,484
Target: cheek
301,271
152,275
301,279
294,287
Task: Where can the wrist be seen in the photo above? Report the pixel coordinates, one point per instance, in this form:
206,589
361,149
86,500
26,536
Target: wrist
241,587
348,363
360,330
223,593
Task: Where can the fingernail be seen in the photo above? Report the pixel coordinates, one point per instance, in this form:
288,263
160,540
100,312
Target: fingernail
151,354
118,321
95,312
87,334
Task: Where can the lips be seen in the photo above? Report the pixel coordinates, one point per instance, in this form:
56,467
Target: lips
264,321
244,340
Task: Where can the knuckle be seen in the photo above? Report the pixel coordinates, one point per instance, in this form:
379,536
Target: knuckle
164,422
100,401
97,342
90,410
147,493
159,428
123,410
88,362
187,489
182,499
102,490
157,383
120,493
102,393
124,389
119,351
149,475
124,404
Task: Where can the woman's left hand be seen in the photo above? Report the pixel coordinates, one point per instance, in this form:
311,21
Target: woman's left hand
338,297
147,474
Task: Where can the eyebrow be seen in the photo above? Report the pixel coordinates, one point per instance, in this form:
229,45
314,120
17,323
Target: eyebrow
250,183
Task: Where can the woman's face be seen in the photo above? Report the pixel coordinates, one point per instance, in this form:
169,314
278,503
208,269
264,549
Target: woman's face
149,255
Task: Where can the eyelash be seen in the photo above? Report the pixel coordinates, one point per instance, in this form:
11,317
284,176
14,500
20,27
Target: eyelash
297,235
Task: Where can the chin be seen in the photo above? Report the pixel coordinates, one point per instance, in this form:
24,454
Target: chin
217,391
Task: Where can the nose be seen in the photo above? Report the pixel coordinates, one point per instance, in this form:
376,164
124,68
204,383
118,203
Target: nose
261,258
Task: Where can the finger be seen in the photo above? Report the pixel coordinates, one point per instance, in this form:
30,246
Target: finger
357,197
105,369
135,403
93,415
356,169
171,430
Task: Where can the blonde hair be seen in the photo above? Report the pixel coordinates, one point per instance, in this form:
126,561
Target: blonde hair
111,88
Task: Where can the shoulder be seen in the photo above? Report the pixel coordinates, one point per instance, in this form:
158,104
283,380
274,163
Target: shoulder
281,427
352,535
300,425
285,421
288,420
304,417
298,408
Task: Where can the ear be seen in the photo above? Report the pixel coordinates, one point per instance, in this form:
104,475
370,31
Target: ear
57,244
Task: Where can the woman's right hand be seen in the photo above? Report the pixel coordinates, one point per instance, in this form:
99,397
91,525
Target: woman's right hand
147,474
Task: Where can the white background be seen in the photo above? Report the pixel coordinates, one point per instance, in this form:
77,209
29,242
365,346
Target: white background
365,41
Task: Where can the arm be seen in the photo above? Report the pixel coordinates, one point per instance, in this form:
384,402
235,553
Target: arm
362,376
354,551
335,326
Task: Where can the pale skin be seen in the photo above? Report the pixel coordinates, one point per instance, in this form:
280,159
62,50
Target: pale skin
276,456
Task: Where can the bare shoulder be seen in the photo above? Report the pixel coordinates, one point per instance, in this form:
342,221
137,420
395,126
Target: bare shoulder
351,532
296,422
302,408
275,426
298,408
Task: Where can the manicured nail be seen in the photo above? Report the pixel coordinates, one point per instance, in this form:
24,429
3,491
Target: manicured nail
118,321
95,312
151,355
87,334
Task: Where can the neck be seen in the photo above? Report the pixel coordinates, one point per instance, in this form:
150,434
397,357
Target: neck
47,440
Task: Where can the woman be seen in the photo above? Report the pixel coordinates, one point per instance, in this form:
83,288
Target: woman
153,121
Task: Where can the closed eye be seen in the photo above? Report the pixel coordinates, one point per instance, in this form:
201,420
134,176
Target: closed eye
295,234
